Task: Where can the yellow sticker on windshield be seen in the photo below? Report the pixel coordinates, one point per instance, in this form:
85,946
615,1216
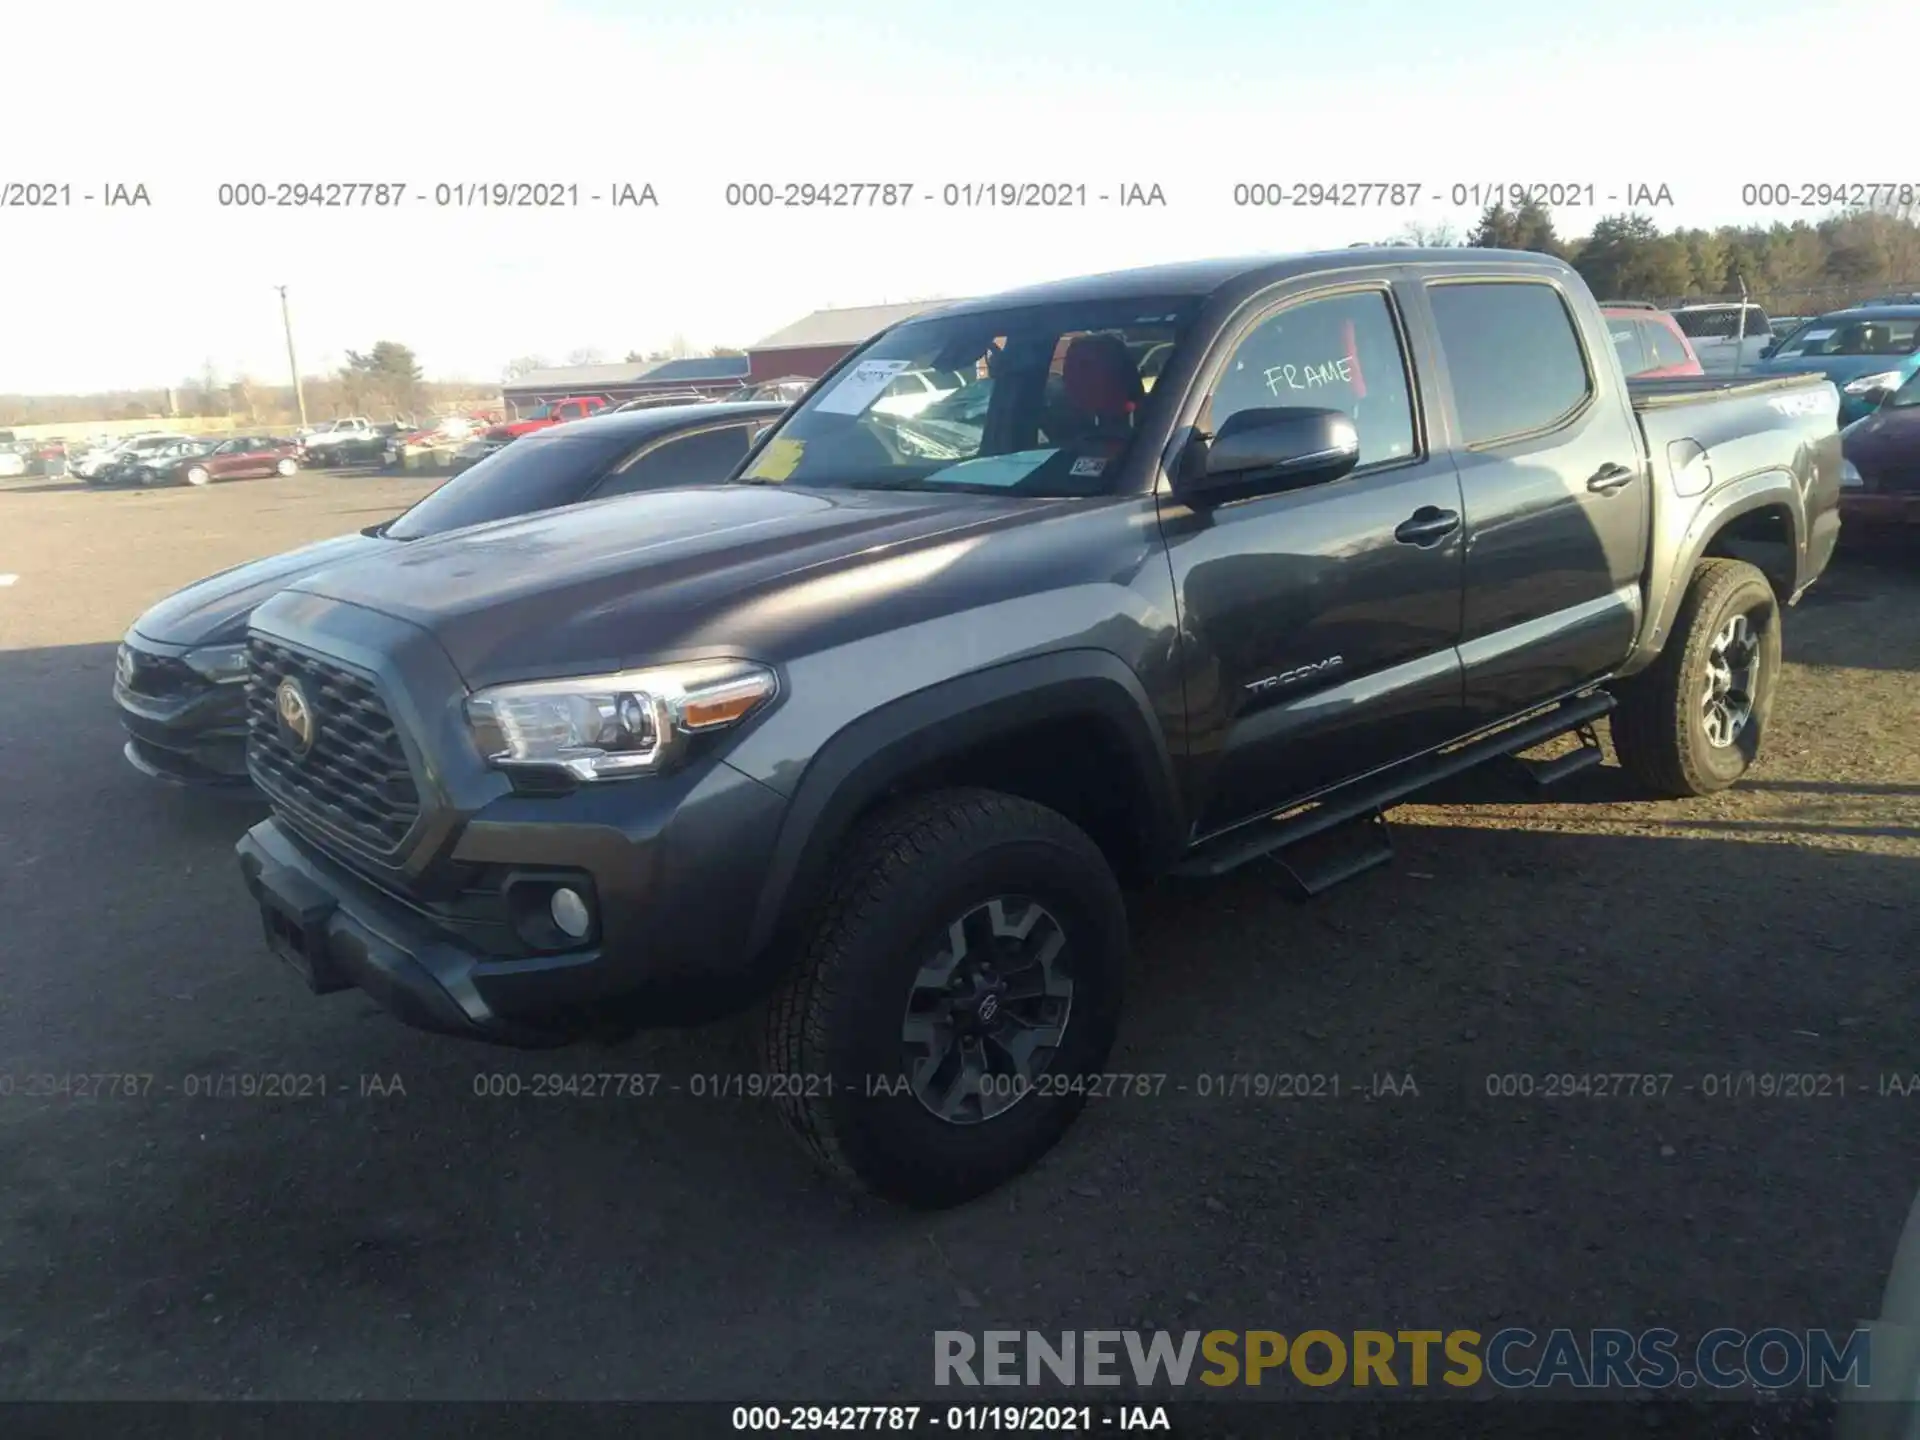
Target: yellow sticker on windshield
779,460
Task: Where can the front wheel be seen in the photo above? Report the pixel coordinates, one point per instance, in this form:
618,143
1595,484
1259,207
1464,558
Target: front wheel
960,986
198,475
1692,722
285,467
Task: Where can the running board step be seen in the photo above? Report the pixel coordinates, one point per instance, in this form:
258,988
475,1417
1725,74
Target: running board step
1543,773
1289,827
1375,848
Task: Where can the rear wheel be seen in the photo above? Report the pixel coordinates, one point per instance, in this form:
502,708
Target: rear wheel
1693,721
961,981
286,467
198,475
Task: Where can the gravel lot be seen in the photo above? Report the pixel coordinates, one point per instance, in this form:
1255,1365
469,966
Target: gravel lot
433,1243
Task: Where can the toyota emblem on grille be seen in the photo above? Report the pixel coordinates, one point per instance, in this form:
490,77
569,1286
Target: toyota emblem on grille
296,715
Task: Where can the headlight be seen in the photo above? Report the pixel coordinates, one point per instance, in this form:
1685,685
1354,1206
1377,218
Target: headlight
604,727
222,664
1850,476
1867,384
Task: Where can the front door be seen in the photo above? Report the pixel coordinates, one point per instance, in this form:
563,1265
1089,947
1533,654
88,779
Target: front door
1318,624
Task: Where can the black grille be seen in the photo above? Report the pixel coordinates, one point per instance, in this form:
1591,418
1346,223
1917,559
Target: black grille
161,676
354,781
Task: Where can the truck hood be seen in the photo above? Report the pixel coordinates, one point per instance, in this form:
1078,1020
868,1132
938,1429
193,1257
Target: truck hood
664,574
214,610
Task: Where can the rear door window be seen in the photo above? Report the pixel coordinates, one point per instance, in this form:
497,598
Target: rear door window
1513,356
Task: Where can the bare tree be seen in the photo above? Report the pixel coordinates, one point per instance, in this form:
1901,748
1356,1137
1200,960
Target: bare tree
586,355
523,365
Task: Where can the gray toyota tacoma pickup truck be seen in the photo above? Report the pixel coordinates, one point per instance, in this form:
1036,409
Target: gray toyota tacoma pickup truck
1192,565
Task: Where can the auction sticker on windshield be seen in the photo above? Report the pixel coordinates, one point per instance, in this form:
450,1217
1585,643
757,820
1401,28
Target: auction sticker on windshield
999,470
859,387
779,460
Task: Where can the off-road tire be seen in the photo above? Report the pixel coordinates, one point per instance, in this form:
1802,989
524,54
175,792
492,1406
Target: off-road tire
831,1032
1658,729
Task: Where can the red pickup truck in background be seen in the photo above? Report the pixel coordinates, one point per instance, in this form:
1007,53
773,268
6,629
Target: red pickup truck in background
553,413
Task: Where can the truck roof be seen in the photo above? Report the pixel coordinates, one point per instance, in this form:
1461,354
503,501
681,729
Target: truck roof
1205,277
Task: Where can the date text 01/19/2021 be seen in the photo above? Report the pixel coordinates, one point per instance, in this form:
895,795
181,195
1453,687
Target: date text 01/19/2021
964,195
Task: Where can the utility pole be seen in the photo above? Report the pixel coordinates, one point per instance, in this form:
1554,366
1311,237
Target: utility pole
286,322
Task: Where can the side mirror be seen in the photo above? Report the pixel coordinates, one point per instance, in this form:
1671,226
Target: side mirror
1271,448
1766,351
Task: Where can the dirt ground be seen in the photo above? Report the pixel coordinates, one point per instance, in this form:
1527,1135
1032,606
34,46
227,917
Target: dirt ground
421,1240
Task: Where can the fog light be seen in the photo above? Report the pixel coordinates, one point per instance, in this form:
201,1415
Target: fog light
570,913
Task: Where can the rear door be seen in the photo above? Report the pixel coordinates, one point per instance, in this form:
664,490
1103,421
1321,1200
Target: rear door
1319,622
228,459
1555,486
258,457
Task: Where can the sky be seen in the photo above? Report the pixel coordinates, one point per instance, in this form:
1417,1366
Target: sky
1195,98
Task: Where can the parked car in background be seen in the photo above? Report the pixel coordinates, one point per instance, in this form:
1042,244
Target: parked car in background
786,388
181,664
1868,353
1649,342
1880,482
13,461
557,412
332,431
912,391
364,447
155,466
877,739
104,453
442,435
663,397
241,457
1727,338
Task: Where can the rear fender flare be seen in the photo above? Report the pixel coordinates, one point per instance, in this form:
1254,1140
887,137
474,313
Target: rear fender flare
1763,490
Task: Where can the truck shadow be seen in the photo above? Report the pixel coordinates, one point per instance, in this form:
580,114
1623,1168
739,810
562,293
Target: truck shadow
374,1235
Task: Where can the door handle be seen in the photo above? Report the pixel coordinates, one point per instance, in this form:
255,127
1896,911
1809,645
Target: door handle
1427,526
1609,478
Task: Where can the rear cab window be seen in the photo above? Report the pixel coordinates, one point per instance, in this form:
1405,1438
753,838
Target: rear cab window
1629,343
1513,357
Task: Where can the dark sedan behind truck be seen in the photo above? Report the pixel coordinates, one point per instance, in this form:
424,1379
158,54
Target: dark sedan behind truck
1881,479
181,666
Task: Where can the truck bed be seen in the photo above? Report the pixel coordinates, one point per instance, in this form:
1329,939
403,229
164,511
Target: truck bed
1680,389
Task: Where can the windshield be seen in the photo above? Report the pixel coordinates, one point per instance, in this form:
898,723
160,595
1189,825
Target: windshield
539,412
1854,337
536,472
1036,400
1720,323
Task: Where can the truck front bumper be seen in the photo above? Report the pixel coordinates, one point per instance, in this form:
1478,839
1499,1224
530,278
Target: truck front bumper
670,876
